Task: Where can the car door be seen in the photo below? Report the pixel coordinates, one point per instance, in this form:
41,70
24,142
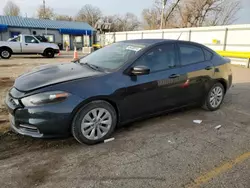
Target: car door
160,89
198,68
15,44
31,45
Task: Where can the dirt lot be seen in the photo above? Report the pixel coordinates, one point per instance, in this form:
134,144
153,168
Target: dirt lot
167,151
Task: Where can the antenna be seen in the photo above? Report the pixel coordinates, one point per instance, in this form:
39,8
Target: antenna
180,36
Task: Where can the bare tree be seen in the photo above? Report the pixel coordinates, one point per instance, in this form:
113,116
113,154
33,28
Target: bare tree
152,16
11,9
127,22
192,13
171,11
227,13
89,14
197,13
63,18
47,13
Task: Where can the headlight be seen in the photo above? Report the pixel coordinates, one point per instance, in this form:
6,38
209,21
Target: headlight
45,98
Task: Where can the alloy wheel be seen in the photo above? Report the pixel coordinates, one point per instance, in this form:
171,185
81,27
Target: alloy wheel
216,97
96,123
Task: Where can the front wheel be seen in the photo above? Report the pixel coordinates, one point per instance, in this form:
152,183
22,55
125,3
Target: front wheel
214,97
94,122
5,53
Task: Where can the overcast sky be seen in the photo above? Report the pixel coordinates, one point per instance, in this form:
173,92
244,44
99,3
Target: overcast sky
108,7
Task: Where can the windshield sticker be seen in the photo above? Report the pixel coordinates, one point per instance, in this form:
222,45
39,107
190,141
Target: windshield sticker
133,48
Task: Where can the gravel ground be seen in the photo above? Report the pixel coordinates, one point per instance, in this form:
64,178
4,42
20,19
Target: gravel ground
167,151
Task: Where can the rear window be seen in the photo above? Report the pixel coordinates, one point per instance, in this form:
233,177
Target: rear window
191,54
208,54
41,38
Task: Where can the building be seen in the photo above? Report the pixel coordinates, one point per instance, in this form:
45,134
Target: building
68,33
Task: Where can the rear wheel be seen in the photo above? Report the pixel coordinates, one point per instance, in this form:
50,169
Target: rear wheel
5,53
94,122
214,97
49,53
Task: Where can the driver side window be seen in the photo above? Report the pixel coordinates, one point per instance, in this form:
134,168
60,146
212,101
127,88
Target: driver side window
159,58
30,39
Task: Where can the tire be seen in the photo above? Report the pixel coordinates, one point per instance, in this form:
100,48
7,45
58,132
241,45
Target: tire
216,93
86,125
49,53
5,53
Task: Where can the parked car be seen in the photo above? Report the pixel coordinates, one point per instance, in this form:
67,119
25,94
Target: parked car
117,84
27,44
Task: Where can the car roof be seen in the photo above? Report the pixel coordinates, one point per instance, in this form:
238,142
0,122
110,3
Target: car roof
149,42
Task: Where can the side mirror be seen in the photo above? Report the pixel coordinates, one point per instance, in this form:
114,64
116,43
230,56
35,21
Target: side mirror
140,70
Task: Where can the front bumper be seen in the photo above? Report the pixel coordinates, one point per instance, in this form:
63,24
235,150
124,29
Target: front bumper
47,121
27,130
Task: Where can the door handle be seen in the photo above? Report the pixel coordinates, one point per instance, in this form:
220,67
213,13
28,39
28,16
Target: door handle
26,44
174,76
208,68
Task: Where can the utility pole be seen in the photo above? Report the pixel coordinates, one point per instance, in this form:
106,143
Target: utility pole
44,9
164,2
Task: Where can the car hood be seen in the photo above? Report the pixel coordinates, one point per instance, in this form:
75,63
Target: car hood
51,74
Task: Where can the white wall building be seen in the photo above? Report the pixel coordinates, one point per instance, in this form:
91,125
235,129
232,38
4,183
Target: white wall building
229,38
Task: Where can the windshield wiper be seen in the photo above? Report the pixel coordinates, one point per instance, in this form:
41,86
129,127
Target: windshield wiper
94,67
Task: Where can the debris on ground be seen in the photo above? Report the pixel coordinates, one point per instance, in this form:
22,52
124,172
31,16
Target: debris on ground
169,141
197,121
109,140
3,121
218,127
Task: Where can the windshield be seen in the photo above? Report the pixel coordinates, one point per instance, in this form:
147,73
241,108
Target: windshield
113,56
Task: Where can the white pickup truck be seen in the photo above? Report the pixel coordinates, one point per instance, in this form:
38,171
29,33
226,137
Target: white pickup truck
27,44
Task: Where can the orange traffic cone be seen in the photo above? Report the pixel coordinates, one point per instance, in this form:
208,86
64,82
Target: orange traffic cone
75,55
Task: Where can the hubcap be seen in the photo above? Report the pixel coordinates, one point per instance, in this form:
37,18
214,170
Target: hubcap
96,123
5,53
216,97
49,54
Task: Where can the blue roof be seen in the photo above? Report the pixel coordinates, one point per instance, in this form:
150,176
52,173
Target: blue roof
16,21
